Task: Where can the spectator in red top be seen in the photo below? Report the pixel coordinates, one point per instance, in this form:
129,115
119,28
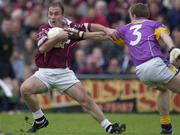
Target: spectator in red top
93,18
97,14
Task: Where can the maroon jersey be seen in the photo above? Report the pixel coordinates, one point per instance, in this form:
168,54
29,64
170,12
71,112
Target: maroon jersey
57,57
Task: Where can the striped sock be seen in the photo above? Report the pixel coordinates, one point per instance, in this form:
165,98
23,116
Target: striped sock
39,116
165,122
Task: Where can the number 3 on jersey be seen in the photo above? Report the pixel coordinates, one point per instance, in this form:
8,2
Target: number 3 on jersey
137,33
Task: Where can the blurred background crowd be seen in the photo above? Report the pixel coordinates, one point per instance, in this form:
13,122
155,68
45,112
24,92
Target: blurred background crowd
19,20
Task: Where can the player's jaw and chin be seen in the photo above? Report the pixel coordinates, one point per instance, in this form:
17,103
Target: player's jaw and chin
56,23
55,20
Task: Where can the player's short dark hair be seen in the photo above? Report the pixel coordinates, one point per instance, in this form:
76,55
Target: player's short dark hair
56,3
140,10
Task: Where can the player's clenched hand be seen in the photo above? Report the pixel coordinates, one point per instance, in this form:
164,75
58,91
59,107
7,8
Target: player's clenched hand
74,33
174,54
63,35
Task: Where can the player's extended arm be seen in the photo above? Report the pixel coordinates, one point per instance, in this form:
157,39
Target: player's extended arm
174,52
108,31
76,34
98,27
95,35
167,39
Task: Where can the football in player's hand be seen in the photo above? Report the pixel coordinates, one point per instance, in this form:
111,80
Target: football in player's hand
53,32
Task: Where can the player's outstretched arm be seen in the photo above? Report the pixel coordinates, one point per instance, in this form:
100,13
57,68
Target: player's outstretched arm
174,52
95,36
98,27
108,31
98,32
77,34
167,39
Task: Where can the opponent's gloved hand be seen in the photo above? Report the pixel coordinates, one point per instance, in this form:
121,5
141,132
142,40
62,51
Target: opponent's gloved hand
174,54
74,33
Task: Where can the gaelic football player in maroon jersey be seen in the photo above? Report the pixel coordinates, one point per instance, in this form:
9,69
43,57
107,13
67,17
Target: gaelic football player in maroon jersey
53,60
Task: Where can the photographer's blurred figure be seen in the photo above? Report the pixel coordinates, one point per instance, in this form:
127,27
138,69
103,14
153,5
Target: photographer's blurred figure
8,82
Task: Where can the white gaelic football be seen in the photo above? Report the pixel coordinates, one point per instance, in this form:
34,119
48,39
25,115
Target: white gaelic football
52,33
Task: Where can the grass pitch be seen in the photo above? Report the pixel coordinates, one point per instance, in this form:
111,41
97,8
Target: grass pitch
83,124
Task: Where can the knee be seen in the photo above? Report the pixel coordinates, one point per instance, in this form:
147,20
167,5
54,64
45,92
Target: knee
25,90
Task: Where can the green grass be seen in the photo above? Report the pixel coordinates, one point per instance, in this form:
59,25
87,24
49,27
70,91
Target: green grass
82,124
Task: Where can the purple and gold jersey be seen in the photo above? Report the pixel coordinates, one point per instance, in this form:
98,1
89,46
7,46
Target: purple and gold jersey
141,38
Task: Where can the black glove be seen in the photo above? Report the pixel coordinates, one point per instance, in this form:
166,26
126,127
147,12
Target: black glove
74,33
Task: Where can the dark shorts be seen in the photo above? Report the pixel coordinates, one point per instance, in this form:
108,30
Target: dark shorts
6,70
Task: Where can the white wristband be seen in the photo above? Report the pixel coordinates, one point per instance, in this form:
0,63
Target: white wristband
81,34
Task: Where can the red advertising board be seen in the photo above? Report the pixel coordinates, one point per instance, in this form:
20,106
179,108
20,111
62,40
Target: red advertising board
113,96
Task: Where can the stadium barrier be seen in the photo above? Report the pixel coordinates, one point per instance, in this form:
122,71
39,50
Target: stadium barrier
124,93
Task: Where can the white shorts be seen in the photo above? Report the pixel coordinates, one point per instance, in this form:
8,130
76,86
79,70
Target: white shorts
60,78
155,72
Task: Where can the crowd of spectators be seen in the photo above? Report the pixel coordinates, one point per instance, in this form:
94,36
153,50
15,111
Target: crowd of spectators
90,57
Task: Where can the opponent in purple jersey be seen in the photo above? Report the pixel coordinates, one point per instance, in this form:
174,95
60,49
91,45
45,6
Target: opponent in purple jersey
53,62
141,36
153,69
